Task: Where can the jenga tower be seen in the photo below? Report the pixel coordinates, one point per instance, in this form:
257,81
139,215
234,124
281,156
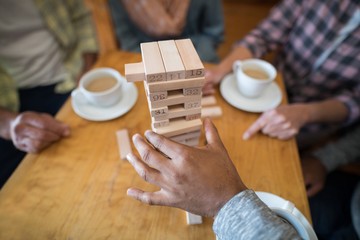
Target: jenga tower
174,77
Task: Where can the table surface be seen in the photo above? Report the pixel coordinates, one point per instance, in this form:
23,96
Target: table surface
76,189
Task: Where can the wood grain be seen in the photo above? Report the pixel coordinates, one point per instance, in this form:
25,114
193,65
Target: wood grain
76,189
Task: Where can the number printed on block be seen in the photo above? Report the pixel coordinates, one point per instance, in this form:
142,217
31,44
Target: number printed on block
155,78
196,73
159,111
190,105
193,117
157,124
192,91
157,96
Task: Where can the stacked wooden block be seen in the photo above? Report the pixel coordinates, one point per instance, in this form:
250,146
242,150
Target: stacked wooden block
173,77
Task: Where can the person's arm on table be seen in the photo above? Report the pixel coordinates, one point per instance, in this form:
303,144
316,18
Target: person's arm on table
204,181
31,131
271,34
285,121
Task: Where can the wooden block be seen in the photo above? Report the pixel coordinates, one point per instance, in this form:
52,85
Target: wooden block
173,100
123,141
134,72
186,136
191,60
208,100
177,112
193,219
192,91
193,116
211,112
162,111
179,126
172,61
176,84
158,124
190,105
153,63
157,96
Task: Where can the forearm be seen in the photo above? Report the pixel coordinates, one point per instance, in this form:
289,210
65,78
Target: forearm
6,117
328,111
246,217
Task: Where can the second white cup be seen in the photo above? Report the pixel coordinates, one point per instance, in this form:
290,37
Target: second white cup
253,76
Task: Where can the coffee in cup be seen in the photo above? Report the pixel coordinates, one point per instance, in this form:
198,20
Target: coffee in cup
253,76
101,87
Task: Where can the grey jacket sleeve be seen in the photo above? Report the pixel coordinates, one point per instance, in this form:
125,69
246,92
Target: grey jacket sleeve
245,216
344,151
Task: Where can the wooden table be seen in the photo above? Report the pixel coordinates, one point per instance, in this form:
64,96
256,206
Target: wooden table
76,189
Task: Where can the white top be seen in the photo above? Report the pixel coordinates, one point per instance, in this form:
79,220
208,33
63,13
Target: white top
28,50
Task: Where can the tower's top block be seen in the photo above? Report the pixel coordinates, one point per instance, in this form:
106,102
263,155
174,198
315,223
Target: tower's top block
166,61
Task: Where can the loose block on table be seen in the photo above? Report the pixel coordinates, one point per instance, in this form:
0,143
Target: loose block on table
153,63
193,219
123,141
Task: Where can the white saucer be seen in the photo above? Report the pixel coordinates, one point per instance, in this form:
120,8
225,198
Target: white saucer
93,113
270,99
286,210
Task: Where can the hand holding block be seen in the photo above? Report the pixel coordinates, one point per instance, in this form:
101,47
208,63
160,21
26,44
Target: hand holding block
123,143
134,72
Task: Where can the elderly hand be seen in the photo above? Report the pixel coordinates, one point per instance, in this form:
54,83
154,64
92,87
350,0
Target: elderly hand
283,122
199,180
212,78
32,132
314,175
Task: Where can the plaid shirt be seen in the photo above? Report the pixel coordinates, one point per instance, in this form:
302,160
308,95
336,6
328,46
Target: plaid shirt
301,30
70,22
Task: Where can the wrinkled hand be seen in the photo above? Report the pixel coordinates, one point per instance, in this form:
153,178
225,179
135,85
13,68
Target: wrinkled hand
314,175
283,123
32,132
198,180
212,78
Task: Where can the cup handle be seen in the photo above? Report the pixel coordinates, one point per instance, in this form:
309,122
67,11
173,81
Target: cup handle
78,96
236,65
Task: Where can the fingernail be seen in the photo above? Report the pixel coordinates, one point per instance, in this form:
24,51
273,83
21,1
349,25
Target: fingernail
246,136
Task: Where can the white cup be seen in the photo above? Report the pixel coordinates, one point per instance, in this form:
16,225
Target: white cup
104,96
253,76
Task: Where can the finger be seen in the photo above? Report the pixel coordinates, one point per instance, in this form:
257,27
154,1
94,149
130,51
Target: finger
313,190
41,135
46,121
285,135
147,173
276,124
30,145
163,144
151,156
151,198
211,133
255,127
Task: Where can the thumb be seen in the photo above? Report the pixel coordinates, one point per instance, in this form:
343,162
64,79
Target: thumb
211,133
